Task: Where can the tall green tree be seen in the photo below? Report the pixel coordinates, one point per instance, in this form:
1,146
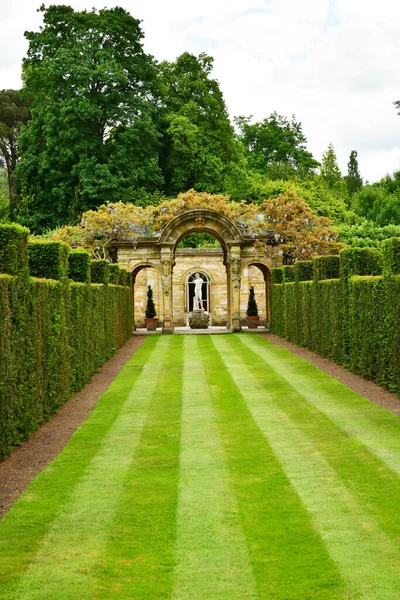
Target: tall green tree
330,171
93,135
353,178
14,114
199,149
276,147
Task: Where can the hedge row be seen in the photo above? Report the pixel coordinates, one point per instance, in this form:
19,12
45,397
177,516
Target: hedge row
54,333
353,320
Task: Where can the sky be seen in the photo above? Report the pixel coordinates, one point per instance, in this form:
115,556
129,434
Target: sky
334,64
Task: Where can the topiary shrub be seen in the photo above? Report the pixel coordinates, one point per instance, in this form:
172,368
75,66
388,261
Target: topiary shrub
150,308
326,267
391,256
360,261
13,249
114,271
288,273
277,275
99,271
48,259
303,270
79,266
252,310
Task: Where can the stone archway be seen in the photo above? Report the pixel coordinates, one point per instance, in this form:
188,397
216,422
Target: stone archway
265,269
159,252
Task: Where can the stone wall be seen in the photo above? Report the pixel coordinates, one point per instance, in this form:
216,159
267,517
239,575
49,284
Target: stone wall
210,262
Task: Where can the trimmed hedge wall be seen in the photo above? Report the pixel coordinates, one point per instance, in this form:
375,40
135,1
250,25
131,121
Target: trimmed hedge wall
99,271
303,270
114,273
13,249
353,320
54,335
79,266
277,275
48,260
326,267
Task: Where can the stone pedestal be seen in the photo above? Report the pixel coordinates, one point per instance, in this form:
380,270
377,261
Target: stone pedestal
199,319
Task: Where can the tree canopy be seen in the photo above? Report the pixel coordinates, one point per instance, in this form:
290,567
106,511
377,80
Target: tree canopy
92,133
276,147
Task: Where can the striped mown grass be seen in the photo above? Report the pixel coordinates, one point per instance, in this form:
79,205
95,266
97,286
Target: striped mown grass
214,467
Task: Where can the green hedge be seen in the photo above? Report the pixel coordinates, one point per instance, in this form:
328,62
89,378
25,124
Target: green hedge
391,256
54,335
326,267
99,271
360,261
48,260
303,270
13,249
288,273
79,266
353,320
277,275
114,271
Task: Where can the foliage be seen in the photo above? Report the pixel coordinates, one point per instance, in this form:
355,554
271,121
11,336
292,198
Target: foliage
92,133
114,272
330,171
367,234
48,259
298,231
380,202
391,256
288,273
360,261
14,115
277,275
150,308
326,267
276,147
252,309
79,266
199,148
353,178
323,200
54,335
99,271
199,240
13,249
4,196
303,270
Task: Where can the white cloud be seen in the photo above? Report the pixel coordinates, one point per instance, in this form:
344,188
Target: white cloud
334,63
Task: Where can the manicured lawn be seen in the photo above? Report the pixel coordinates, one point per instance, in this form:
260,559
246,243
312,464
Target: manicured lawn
214,467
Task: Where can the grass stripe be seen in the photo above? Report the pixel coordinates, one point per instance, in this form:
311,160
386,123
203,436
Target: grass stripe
288,557
212,557
377,428
77,536
26,524
139,559
370,480
365,556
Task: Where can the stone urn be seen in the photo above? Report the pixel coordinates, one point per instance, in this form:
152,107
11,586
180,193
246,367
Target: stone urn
199,319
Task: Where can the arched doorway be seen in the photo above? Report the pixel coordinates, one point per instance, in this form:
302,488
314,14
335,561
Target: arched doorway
144,275
258,275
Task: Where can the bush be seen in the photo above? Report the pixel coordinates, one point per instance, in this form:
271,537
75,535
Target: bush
99,271
48,260
288,273
303,270
391,256
150,308
252,310
360,261
122,277
326,267
277,275
13,249
114,271
79,266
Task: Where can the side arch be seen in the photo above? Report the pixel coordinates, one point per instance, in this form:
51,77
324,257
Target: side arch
266,271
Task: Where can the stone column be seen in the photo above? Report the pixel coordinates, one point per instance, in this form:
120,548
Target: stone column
167,262
235,267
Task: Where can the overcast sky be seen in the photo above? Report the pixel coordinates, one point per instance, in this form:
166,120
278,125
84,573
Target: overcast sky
332,63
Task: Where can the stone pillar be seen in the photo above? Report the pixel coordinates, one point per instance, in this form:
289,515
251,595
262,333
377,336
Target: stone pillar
167,262
235,267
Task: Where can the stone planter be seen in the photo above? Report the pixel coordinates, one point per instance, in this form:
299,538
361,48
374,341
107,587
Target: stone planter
199,319
252,322
151,324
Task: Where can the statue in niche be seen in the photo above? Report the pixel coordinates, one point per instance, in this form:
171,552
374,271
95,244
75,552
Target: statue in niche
198,295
